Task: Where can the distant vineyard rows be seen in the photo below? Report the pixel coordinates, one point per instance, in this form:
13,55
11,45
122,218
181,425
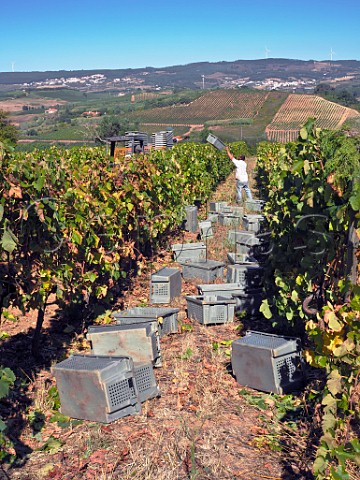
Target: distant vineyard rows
295,111
222,104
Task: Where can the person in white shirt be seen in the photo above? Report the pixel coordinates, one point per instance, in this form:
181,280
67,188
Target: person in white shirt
242,179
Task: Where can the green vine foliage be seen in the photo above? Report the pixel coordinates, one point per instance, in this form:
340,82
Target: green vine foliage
311,188
74,220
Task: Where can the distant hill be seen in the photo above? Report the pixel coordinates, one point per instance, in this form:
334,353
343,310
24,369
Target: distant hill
197,75
255,115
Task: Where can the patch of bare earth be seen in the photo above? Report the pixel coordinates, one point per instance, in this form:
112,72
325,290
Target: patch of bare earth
200,428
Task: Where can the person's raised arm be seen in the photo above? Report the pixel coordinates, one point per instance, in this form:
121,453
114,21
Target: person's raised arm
230,155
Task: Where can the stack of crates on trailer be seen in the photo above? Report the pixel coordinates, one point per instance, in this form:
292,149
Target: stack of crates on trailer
191,218
208,270
210,309
140,341
184,252
269,363
165,285
100,389
166,318
136,141
163,139
254,205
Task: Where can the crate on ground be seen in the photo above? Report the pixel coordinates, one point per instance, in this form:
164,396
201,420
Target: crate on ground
248,245
249,301
166,318
257,247
146,381
236,257
206,229
226,290
189,251
210,309
226,209
235,236
254,205
229,219
253,223
140,341
97,388
212,217
248,275
216,206
216,142
269,363
208,270
191,218
237,210
165,285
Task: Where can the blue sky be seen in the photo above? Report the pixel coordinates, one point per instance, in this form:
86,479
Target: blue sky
92,34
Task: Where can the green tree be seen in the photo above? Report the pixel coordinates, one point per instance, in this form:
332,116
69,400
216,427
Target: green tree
8,132
110,126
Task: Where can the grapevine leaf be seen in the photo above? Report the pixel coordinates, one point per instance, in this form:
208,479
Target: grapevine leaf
334,383
303,133
1,212
319,465
8,241
265,309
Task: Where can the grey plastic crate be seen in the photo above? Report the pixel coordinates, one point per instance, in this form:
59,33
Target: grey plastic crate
165,285
242,258
254,247
96,388
213,217
139,341
235,236
189,251
270,363
249,301
206,229
166,318
254,205
248,246
237,210
253,223
216,206
208,270
218,144
210,309
229,219
220,289
191,218
146,381
250,276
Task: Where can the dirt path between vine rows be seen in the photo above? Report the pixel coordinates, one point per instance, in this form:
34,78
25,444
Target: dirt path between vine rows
201,427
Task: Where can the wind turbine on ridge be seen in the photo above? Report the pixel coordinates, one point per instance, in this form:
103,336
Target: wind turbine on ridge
267,51
331,54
